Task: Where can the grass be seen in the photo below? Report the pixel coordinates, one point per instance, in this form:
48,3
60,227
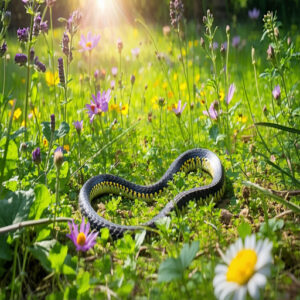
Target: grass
139,145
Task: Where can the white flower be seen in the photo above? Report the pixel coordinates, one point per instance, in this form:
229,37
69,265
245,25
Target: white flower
247,267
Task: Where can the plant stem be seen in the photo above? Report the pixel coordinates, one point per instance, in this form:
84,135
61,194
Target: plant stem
57,197
14,270
52,52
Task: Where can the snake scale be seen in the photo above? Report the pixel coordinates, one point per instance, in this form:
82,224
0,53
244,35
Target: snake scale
187,161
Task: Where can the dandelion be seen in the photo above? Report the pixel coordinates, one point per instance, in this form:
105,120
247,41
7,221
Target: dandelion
178,110
247,265
276,92
89,42
254,13
213,110
83,240
230,93
52,79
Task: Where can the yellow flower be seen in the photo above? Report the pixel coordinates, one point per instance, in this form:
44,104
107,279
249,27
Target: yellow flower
67,148
171,107
197,77
154,102
45,142
202,94
23,80
135,32
156,83
175,76
242,119
170,94
114,107
11,102
221,95
124,109
51,79
195,43
190,44
17,114
183,52
165,85
183,86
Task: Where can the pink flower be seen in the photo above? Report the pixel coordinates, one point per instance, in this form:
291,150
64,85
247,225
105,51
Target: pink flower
99,105
83,240
276,92
89,43
135,52
213,111
178,111
230,93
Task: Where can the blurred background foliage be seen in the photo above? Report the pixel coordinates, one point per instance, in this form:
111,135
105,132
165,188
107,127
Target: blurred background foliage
156,11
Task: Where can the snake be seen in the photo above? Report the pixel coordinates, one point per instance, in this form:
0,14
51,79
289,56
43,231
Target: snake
110,184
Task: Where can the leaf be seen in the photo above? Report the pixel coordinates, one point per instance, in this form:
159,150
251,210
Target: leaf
63,129
40,250
188,253
41,202
214,132
5,250
139,239
17,133
46,129
57,256
244,229
170,269
278,126
273,225
15,208
83,282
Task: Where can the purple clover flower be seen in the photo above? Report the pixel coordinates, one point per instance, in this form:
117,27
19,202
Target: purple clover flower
21,59
36,156
82,240
236,41
230,94
23,34
276,92
99,104
89,42
254,13
213,110
178,110
132,79
114,71
78,126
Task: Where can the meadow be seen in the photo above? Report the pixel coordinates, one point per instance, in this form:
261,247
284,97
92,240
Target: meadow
128,100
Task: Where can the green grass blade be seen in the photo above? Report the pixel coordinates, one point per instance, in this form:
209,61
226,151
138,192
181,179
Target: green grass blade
294,207
280,127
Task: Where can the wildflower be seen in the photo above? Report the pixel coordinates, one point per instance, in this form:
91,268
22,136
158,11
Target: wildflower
52,122
202,43
114,71
39,65
67,147
3,49
132,79
254,13
74,21
37,25
31,55
51,79
161,101
89,43
230,93
276,92
119,45
99,105
135,52
227,29
58,157
17,114
45,142
78,126
178,110
270,52
213,110
247,265
102,74
83,240
235,41
166,30
21,59
23,34
50,3
124,109
65,45
176,12
44,27
112,84
61,71
215,45
96,74
222,50
36,156
221,95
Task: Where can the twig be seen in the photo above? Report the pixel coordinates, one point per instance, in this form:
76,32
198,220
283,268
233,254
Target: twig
286,212
20,225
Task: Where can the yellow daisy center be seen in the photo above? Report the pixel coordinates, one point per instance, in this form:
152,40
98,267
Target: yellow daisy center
89,44
81,239
242,267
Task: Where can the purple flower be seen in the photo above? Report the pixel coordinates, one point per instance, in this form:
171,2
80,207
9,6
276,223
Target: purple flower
61,71
135,52
31,57
39,65
235,41
78,126
37,25
178,110
215,45
20,59
254,13
176,12
99,104
52,122
65,46
36,156
83,240
89,43
3,49
120,45
132,79
112,84
50,3
230,93
44,27
96,74
276,92
114,71
23,34
74,21
213,110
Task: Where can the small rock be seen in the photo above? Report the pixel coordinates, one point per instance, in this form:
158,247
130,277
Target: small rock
226,216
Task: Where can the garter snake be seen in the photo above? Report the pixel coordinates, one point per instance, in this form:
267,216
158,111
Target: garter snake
187,161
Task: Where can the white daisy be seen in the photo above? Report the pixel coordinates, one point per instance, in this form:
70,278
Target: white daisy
246,270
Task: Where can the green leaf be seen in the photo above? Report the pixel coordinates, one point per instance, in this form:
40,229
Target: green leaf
104,234
41,202
139,239
83,282
40,250
214,132
170,269
5,250
15,208
188,253
63,129
17,133
46,129
57,256
280,127
273,225
244,229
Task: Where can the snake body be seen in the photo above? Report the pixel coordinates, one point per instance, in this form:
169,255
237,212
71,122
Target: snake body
187,161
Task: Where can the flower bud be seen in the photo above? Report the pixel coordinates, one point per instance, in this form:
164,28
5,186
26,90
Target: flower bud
270,52
3,49
132,79
289,41
253,55
202,43
222,50
276,32
58,157
52,123
120,45
265,110
227,29
36,156
161,102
